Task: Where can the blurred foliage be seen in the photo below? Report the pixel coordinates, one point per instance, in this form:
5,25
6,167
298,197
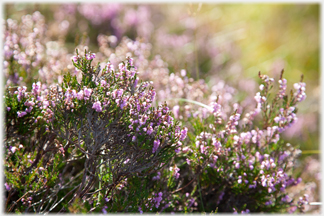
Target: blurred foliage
278,31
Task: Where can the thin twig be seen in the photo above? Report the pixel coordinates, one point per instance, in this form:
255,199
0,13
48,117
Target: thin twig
183,187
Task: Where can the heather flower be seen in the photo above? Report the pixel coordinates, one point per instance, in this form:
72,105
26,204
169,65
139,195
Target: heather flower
231,125
140,210
245,211
7,186
123,103
75,59
157,177
237,165
12,149
97,106
239,179
282,87
134,138
80,95
90,56
158,199
254,185
36,88
155,145
176,172
188,161
21,114
87,93
103,82
300,93
183,134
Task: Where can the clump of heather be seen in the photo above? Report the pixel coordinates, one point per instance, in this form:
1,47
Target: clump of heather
93,135
29,54
233,163
239,164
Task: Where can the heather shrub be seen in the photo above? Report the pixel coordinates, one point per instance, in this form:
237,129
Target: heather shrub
102,127
243,166
234,164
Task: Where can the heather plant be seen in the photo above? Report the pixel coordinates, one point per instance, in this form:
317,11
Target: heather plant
236,164
249,164
94,135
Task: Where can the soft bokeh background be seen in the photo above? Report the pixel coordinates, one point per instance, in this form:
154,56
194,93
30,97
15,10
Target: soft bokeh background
232,42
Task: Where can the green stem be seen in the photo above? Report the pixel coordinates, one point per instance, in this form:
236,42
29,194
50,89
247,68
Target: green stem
202,203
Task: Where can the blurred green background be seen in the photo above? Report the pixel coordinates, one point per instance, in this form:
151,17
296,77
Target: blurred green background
271,37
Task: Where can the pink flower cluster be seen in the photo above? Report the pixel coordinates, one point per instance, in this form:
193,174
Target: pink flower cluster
300,93
285,119
232,123
282,87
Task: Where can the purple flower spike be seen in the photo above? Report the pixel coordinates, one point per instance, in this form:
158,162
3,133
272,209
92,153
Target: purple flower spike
156,144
